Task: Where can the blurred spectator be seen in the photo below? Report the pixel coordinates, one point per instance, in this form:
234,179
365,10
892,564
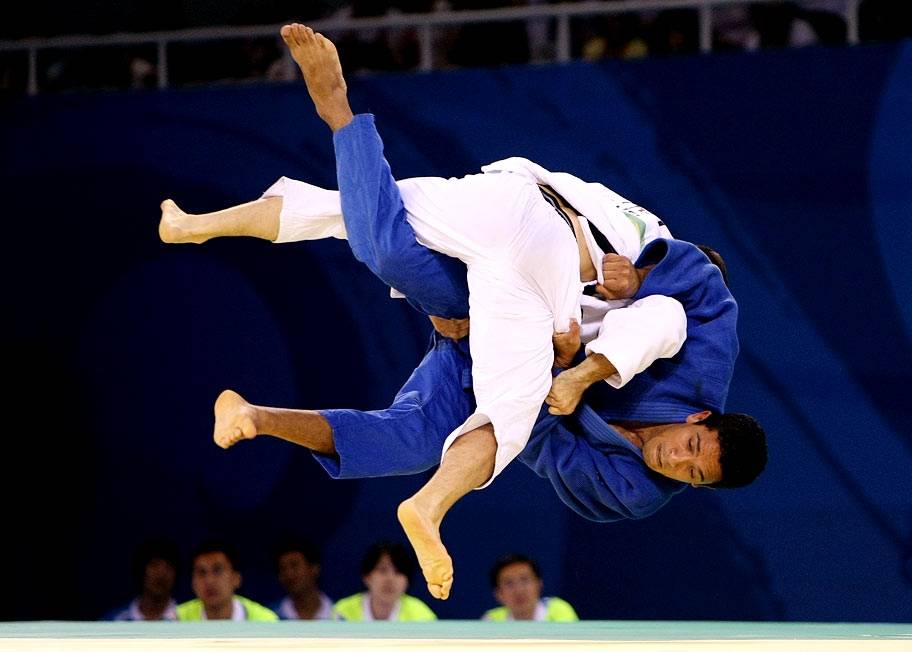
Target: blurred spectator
143,73
733,29
517,586
298,566
492,43
675,31
154,572
215,579
819,21
385,570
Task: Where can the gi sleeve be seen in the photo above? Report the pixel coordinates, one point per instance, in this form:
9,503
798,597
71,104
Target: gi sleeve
634,337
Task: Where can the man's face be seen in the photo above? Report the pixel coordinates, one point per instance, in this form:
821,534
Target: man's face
518,589
296,574
214,579
385,583
158,578
686,452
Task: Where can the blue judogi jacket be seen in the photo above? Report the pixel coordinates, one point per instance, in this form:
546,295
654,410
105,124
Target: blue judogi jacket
593,469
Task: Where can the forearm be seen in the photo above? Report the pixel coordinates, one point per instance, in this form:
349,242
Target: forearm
594,368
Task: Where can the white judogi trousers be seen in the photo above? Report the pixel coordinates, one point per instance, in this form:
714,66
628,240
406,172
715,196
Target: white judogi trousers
523,278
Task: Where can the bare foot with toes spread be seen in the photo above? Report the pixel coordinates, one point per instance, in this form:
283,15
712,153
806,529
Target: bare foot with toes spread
235,419
424,535
318,60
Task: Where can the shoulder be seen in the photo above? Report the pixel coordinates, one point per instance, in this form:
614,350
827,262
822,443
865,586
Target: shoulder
497,614
256,611
348,608
190,610
560,610
414,609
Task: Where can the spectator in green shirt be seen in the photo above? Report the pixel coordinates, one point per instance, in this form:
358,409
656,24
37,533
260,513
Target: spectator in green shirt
215,579
518,586
385,570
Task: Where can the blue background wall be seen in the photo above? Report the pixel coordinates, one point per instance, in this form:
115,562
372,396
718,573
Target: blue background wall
797,165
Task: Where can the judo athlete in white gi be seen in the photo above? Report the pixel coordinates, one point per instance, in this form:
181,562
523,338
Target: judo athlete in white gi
524,275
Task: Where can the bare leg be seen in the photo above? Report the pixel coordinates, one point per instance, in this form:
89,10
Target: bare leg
468,464
318,60
256,219
236,419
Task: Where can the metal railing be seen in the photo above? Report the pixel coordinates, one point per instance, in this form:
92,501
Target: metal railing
424,23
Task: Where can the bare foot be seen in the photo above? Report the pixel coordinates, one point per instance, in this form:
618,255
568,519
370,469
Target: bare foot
318,60
424,535
175,225
235,419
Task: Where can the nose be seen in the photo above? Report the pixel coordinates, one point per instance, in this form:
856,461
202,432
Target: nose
673,455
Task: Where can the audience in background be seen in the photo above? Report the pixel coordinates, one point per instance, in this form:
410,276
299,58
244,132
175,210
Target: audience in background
747,26
298,567
386,571
215,580
154,571
517,587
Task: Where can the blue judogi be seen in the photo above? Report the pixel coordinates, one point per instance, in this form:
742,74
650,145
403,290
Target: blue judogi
594,470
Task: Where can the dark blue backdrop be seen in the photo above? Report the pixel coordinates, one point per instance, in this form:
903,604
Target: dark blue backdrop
797,165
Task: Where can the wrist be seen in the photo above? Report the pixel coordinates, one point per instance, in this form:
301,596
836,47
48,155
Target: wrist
594,368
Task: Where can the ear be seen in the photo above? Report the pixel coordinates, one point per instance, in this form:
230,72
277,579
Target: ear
237,580
698,416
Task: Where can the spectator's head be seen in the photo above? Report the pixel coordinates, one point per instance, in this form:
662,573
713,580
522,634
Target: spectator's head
215,577
717,450
517,585
298,566
386,570
155,568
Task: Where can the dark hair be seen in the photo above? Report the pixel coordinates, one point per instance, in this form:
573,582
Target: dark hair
716,259
216,545
155,548
403,558
742,446
298,544
508,560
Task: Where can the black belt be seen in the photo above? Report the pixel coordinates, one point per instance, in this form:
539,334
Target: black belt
560,211
600,238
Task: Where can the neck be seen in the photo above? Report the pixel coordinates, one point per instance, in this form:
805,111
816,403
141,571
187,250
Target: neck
631,433
381,610
221,611
152,607
306,603
524,614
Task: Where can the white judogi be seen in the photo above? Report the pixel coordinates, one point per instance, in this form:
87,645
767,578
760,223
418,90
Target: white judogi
523,277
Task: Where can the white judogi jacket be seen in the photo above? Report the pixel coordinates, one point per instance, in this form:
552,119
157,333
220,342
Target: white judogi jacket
627,226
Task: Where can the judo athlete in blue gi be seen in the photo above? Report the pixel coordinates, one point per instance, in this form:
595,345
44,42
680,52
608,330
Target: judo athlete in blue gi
668,428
